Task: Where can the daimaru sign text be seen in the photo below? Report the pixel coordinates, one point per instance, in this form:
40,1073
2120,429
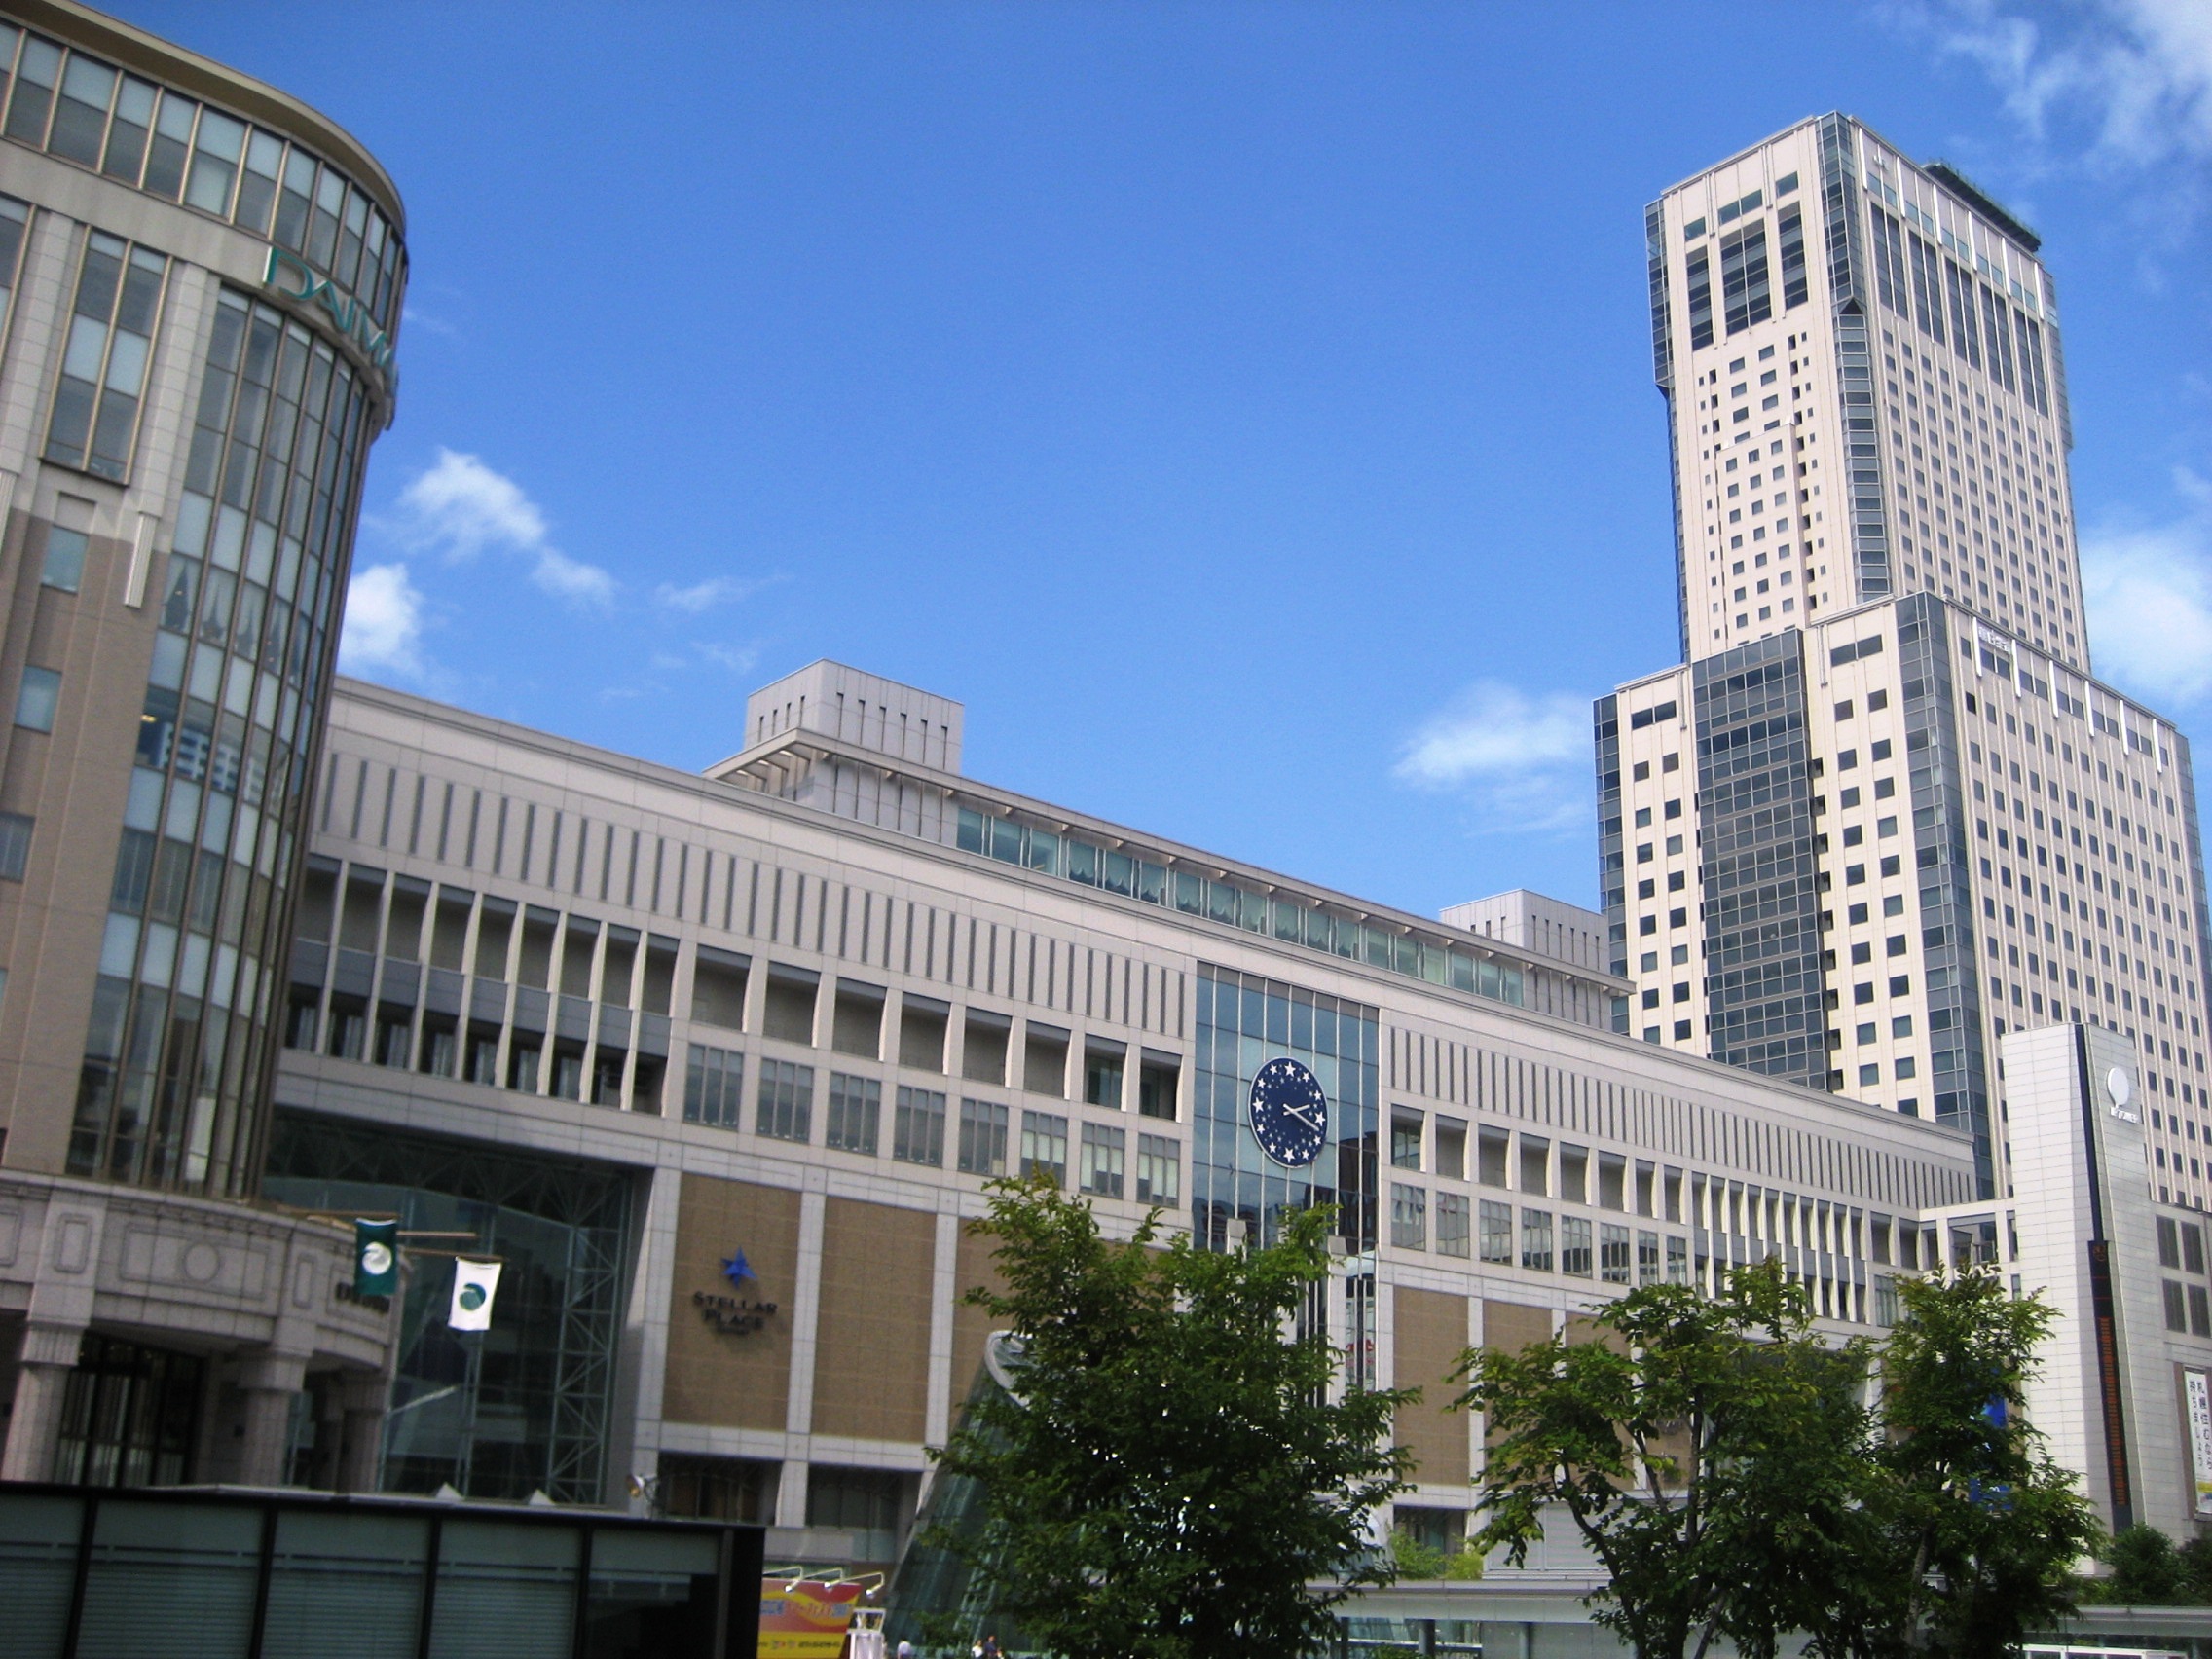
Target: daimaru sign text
292,277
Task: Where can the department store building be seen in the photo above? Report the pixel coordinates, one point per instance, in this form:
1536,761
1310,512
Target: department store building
200,277
720,1064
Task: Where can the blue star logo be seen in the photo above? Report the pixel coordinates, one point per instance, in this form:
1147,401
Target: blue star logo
737,1269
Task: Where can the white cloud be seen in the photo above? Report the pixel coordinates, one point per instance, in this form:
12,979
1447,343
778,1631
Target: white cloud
1528,759
383,622
572,579
2148,589
703,596
737,659
1490,731
462,507
2139,72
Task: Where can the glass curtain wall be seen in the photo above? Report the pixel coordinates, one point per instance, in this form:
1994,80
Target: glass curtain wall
525,1406
179,1039
1244,1022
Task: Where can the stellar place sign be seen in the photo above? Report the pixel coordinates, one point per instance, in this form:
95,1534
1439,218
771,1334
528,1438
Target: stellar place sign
733,1315
290,275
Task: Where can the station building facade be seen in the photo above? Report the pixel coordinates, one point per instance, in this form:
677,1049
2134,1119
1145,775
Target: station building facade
719,1064
200,279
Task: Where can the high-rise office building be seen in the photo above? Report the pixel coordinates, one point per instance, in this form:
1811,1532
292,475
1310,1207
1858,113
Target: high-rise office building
1866,394
1883,816
198,281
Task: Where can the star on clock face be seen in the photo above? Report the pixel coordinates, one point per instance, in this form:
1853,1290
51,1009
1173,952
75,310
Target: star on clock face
1289,1114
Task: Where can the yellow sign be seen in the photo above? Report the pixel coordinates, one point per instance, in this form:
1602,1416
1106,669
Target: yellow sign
803,1619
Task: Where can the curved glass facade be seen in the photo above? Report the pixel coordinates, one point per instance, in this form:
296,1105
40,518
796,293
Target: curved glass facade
247,610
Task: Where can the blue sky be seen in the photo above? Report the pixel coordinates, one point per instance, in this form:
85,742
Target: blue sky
1244,409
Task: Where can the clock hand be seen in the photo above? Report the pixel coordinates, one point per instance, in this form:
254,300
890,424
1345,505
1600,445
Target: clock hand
1303,1114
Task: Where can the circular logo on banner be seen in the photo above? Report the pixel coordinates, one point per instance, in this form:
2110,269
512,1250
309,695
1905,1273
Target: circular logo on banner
376,1259
2118,1086
471,1298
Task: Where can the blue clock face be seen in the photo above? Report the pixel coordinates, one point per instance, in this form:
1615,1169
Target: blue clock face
1289,1113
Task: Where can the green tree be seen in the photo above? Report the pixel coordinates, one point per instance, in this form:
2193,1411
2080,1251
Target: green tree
1705,1448
1171,1476
2147,1572
1977,1529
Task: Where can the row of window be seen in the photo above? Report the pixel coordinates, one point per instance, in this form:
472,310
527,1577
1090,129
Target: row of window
155,139
1982,329
783,1101
1603,1250
1291,920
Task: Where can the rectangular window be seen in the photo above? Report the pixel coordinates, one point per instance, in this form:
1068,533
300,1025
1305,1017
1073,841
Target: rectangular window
1889,262
37,699
1102,1076
1677,1260
1452,1224
785,1107
1103,1147
1789,229
1408,1217
982,1137
1701,298
1045,1146
14,215
1966,333
214,169
35,78
1537,1240
918,1128
257,185
126,152
103,364
1160,1170
1994,312
1497,1232
1647,1258
856,1103
1743,286
2177,1306
713,1087
172,138
1927,290
1612,1254
1575,1256
64,567
15,845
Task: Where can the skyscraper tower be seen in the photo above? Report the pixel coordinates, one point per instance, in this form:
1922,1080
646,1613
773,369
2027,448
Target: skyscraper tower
1866,394
1882,816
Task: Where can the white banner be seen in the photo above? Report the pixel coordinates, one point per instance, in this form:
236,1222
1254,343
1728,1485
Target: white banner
2198,1386
474,1284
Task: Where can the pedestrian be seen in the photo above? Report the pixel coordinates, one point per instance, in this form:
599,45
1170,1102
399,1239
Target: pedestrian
990,1648
906,1650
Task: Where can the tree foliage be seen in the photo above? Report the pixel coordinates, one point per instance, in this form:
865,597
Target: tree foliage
1173,1474
1693,1442
1979,1528
1741,1480
2148,1571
